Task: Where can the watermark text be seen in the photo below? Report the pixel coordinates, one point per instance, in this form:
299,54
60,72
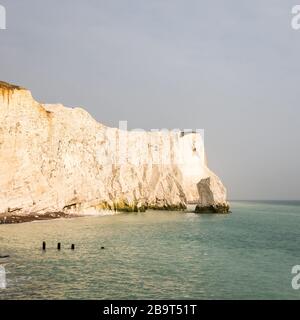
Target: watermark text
2,18
2,278
295,22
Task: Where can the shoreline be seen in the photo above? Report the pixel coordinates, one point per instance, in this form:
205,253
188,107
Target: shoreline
14,219
10,218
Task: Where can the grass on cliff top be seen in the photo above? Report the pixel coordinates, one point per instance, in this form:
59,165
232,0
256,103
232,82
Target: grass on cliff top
8,86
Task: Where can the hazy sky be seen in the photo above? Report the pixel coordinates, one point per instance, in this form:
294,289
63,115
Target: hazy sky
229,67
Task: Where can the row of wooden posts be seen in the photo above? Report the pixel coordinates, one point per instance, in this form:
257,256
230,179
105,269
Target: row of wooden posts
58,246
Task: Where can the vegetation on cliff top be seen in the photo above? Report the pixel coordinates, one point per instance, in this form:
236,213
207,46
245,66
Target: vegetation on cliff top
8,86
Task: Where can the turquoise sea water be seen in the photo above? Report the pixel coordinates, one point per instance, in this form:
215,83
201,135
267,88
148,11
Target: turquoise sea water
248,254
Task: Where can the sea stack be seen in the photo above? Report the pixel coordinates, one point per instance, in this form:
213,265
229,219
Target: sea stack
212,196
55,159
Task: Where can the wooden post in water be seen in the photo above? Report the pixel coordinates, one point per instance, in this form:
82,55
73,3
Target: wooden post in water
73,246
58,246
44,245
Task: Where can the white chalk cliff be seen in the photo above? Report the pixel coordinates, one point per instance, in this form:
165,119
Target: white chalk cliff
58,159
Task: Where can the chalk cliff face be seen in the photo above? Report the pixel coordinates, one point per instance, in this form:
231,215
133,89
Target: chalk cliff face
58,159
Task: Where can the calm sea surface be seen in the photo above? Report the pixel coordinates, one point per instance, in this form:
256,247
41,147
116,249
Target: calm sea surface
157,255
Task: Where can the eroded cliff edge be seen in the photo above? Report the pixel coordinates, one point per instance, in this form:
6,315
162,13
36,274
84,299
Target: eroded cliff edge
58,159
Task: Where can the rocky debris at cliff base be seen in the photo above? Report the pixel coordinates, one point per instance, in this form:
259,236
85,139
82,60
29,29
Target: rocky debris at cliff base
11,218
213,209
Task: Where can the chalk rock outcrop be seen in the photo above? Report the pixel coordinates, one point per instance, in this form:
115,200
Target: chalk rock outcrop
58,159
213,196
